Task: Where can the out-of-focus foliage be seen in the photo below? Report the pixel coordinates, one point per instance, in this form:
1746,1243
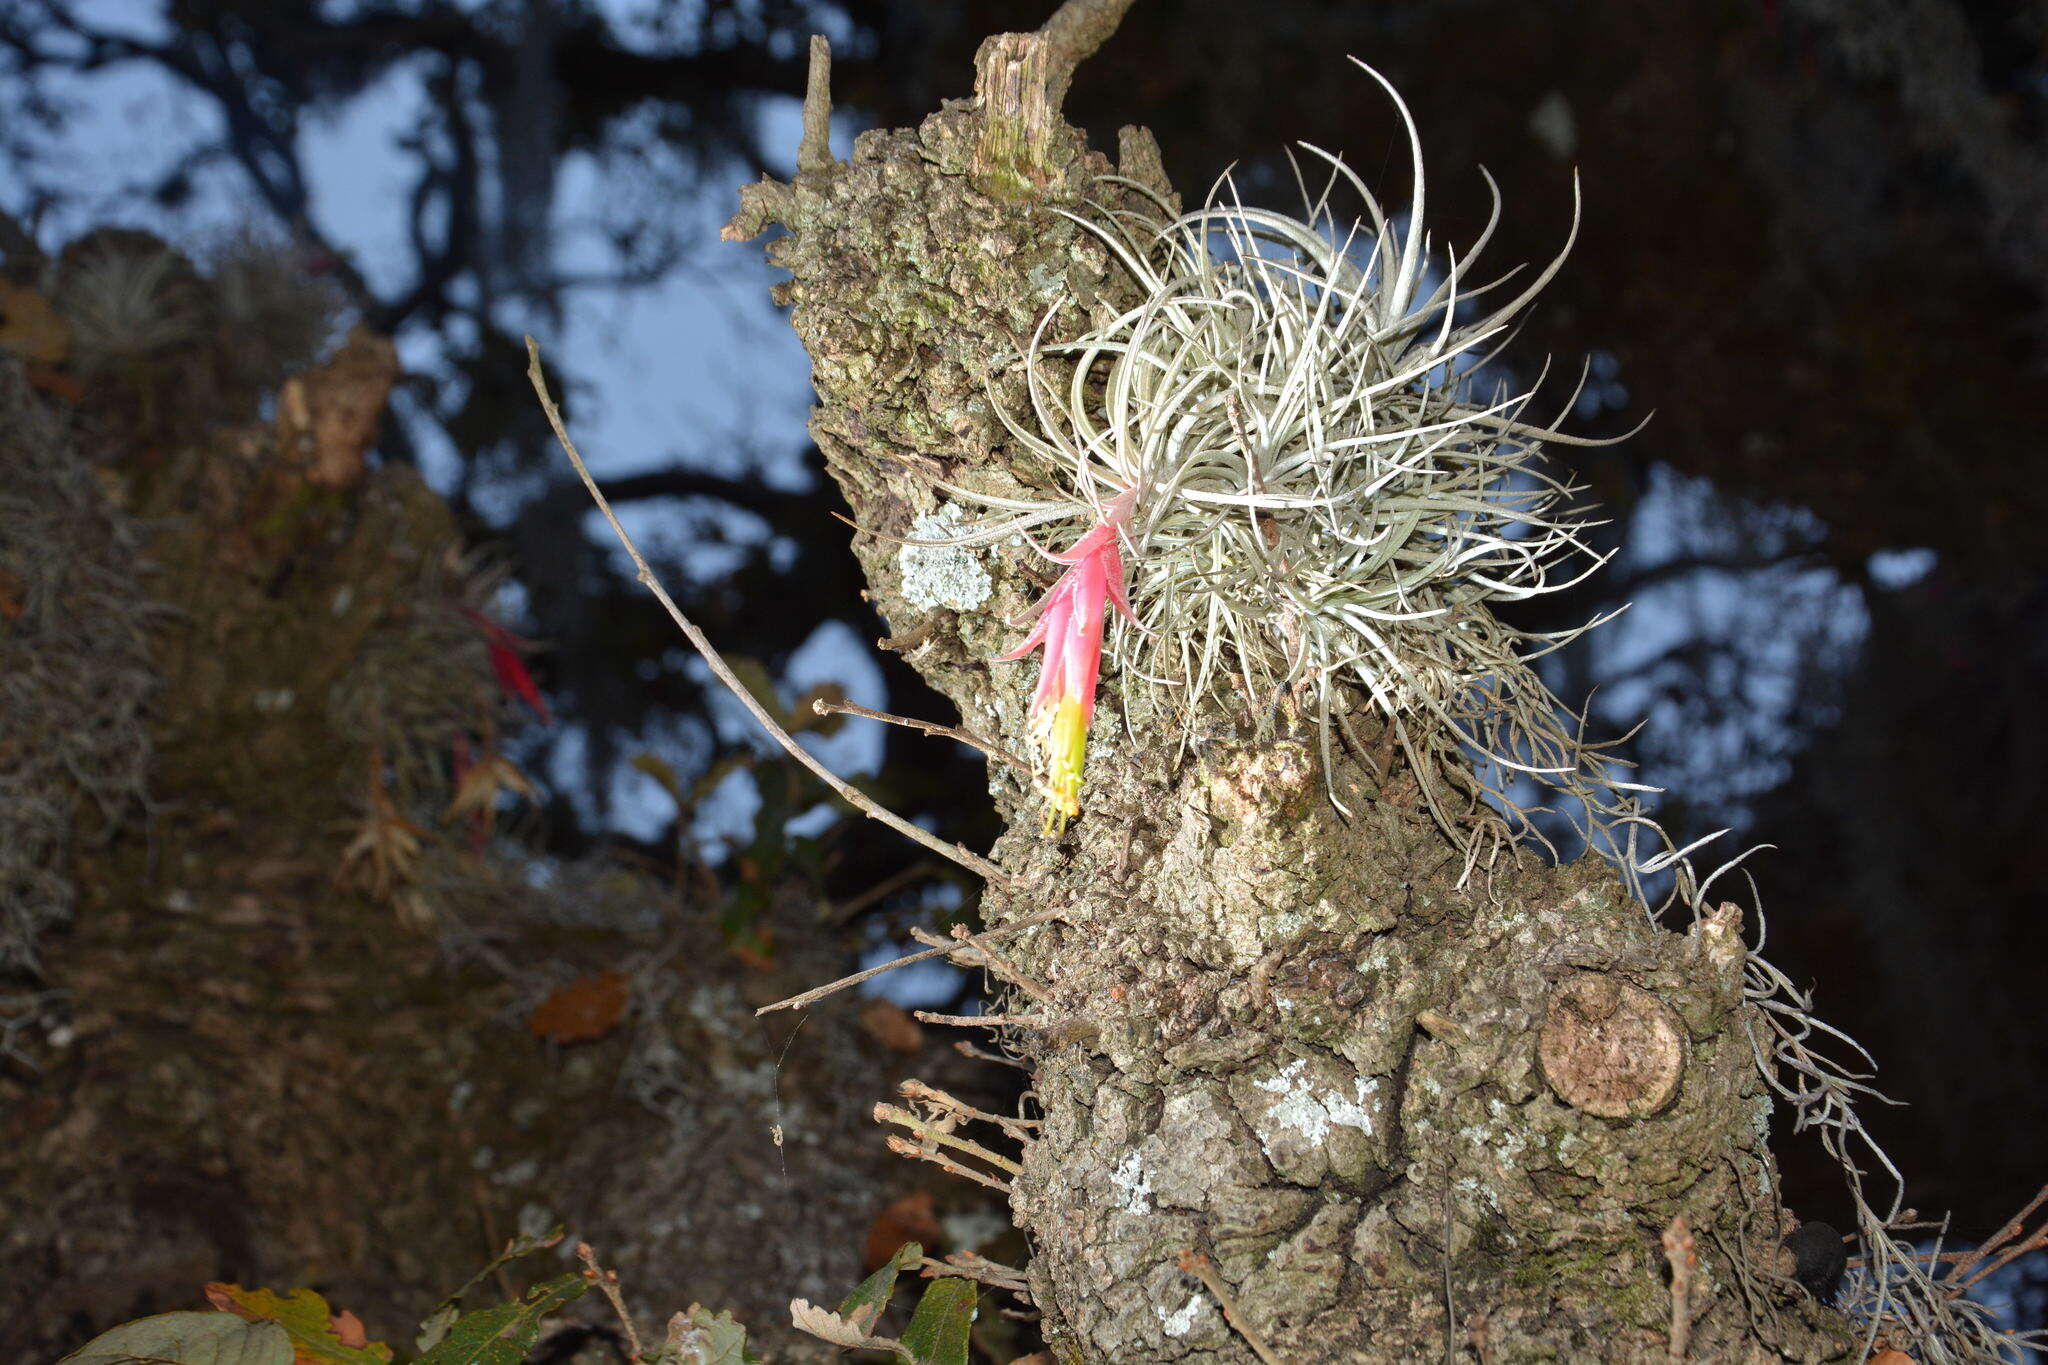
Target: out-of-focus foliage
656,101
282,1026
260,1327
74,666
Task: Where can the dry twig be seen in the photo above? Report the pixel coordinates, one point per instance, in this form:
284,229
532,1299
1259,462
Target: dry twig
917,1091
990,960
985,1020
971,940
969,1266
903,1146
965,736
608,1282
1679,1250
939,1134
967,1049
853,795
2002,1248
1198,1266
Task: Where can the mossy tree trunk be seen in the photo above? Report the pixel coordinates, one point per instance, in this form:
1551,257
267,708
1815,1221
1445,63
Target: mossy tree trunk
1407,1107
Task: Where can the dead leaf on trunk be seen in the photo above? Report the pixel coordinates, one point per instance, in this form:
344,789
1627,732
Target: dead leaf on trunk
587,1008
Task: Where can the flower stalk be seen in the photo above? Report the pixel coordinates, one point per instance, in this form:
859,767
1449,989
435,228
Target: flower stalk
1070,621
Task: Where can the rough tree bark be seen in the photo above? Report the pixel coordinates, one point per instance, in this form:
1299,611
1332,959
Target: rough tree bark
1406,1112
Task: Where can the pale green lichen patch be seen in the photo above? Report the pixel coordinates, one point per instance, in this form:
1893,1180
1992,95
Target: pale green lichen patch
941,575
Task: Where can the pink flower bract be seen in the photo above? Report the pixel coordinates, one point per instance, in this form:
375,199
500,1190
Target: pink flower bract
1069,625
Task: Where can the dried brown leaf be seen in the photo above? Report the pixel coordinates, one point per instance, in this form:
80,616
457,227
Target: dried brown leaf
825,1324
587,1008
913,1218
891,1025
477,792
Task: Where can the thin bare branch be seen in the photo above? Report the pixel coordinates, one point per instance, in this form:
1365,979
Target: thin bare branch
969,1266
903,1146
937,1133
1198,1266
608,1282
973,862
972,940
917,1090
1079,27
1032,1021
992,961
824,707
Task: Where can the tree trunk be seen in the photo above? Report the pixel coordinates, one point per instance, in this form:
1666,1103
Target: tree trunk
1405,1106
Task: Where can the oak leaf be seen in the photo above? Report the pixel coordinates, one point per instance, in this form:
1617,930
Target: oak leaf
505,1334
319,1335
188,1339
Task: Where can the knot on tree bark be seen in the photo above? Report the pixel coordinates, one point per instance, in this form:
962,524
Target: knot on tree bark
1611,1049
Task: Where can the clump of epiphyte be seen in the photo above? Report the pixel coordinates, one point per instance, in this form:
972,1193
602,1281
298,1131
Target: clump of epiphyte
1281,441
1319,502
75,665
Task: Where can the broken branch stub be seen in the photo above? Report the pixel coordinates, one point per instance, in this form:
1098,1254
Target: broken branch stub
1611,1049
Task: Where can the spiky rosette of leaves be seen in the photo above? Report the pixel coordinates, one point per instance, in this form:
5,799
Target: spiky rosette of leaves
1315,505
1325,505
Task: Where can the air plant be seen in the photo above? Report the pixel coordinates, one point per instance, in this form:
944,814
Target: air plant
1313,503
1282,449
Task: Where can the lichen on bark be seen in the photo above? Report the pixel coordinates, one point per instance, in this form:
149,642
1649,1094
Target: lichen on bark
1395,1097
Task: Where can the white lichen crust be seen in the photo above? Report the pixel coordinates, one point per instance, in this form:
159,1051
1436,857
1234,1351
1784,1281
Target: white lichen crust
937,573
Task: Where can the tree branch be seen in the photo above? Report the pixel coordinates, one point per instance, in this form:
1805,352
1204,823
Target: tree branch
1079,27
973,862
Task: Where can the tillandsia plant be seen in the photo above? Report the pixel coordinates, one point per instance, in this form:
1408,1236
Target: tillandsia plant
1276,468
1282,440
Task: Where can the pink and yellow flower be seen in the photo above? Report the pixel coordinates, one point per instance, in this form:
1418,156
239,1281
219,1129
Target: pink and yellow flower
1070,622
